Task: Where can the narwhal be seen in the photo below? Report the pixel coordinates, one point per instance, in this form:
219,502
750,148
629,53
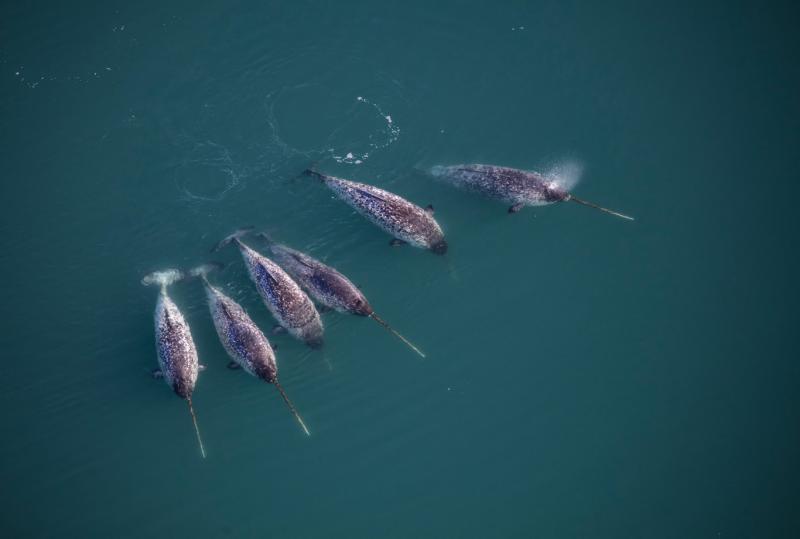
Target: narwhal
177,355
241,337
326,285
284,298
406,222
519,188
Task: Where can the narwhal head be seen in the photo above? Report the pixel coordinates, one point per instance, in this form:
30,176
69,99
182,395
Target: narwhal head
553,191
360,306
311,334
556,183
182,387
315,341
266,370
439,247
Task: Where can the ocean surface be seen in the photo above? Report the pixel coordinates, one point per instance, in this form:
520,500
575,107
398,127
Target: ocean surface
586,376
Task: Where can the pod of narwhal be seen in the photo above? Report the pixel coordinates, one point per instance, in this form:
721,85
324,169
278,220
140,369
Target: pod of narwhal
177,354
513,186
244,342
277,283
404,221
327,286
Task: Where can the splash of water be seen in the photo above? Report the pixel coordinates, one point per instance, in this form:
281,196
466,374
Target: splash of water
389,134
565,175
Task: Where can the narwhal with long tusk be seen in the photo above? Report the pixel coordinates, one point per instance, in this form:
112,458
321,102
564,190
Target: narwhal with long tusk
517,187
327,286
284,298
177,355
406,222
241,337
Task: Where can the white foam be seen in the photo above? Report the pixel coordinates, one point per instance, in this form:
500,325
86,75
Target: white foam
565,175
162,278
391,132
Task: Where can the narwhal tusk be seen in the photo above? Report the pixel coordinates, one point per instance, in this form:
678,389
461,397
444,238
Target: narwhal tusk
291,407
196,429
396,334
591,205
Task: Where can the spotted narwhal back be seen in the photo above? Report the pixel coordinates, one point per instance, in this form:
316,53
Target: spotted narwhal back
503,183
520,187
284,298
325,284
177,355
392,213
240,336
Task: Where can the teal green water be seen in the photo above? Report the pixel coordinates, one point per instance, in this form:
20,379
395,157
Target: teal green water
587,376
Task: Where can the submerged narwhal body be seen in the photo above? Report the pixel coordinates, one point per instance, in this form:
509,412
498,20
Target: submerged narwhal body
284,298
177,355
397,216
517,187
245,343
324,283
327,285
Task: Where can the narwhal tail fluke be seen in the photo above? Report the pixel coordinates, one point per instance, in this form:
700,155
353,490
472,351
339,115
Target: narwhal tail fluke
196,428
314,174
291,407
162,278
396,334
266,237
236,235
595,206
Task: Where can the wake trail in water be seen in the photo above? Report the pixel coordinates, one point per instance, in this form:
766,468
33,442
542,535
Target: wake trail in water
208,173
354,152
388,135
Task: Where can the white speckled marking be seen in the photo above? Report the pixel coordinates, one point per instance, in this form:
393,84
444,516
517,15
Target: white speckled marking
324,283
392,213
240,336
177,355
510,185
284,298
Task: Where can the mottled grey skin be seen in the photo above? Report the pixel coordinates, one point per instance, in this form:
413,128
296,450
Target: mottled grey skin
177,355
392,213
516,187
325,284
284,298
242,339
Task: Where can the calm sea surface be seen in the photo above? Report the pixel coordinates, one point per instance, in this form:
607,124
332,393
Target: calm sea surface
586,376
